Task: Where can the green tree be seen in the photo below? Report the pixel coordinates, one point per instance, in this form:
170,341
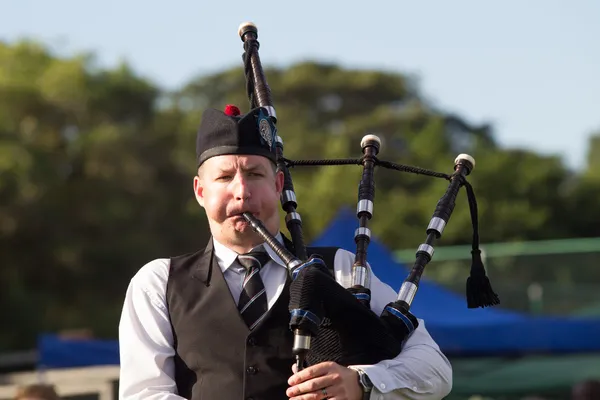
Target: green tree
91,186
584,190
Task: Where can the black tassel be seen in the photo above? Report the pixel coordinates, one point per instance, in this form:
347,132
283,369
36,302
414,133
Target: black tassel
479,288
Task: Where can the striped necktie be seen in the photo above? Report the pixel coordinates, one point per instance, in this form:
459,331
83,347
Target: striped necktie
253,299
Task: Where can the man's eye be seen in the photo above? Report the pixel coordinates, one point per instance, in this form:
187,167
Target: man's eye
223,177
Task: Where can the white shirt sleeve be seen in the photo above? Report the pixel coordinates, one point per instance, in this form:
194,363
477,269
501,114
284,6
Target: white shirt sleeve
146,339
420,371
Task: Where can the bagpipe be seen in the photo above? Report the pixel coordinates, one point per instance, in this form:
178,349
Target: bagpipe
330,322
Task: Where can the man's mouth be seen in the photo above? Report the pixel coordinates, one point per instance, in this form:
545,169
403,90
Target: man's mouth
240,215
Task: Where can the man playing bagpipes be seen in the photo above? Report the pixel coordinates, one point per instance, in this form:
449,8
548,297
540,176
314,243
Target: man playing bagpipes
215,324
254,315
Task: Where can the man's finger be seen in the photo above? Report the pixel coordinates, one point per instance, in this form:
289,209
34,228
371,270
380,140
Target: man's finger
309,373
315,385
314,396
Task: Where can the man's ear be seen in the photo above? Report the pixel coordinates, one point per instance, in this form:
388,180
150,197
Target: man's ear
279,178
199,191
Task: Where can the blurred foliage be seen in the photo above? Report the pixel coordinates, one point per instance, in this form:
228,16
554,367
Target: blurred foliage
96,170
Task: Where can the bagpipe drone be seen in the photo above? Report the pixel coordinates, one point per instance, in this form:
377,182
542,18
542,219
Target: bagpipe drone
330,322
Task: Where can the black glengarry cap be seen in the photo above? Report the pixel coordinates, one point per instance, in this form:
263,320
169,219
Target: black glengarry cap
229,132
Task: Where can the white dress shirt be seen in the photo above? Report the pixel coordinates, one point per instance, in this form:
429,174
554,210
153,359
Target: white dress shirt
420,371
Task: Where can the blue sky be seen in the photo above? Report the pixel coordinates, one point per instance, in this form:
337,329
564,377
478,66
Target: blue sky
529,67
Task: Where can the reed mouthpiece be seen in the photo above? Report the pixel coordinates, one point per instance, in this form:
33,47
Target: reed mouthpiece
246,27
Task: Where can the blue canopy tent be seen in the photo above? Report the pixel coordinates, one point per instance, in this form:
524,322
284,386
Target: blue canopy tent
461,331
458,330
57,352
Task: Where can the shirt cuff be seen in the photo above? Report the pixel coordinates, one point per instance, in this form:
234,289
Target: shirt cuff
378,376
384,382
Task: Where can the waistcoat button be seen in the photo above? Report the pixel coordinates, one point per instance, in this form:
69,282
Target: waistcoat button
252,341
252,370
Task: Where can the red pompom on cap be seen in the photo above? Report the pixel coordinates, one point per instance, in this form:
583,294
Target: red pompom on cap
232,110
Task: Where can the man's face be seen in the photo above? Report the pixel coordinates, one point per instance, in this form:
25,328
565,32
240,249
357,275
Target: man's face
229,185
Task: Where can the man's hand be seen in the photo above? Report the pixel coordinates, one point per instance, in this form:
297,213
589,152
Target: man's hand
326,380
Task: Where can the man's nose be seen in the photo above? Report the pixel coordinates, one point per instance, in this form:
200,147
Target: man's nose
241,188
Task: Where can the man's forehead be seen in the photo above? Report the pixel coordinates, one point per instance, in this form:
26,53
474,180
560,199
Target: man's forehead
235,162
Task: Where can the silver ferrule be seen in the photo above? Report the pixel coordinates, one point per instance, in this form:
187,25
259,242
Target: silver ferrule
288,195
362,231
407,292
426,248
293,216
295,263
279,140
437,224
301,342
364,206
360,276
271,111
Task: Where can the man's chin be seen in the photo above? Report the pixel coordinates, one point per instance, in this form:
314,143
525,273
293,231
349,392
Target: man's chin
243,227
239,222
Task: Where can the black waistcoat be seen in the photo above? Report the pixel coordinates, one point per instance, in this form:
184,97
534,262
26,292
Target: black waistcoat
217,356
